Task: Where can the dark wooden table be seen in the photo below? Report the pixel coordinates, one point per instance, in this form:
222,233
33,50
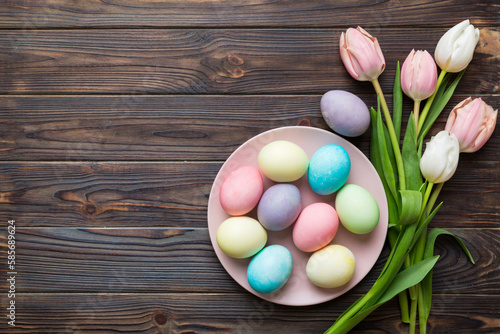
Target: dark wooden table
117,115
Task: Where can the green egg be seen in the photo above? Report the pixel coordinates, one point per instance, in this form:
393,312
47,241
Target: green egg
357,209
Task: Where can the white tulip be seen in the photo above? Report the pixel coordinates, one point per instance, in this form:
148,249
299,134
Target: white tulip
455,49
440,159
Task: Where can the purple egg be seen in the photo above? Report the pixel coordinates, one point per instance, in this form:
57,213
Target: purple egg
345,113
279,206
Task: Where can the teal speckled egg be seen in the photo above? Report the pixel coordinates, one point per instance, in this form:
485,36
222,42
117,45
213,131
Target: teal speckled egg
329,169
270,269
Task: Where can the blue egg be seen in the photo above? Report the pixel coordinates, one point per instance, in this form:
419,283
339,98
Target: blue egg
270,269
329,169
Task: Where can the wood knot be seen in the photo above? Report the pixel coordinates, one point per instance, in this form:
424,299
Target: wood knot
235,60
160,318
304,122
226,67
89,209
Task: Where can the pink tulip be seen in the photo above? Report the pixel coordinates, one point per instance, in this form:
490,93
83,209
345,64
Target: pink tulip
419,75
472,122
361,54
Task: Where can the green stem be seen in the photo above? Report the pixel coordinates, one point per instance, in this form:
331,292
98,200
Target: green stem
426,199
434,196
413,316
418,249
402,296
403,306
411,289
392,134
422,321
429,103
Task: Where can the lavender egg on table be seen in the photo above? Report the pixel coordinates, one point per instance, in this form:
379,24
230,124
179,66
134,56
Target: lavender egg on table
345,113
279,206
329,169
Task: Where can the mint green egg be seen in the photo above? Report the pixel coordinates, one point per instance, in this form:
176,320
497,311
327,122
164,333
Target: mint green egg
357,209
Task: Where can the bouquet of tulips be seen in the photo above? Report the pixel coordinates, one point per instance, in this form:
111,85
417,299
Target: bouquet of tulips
412,180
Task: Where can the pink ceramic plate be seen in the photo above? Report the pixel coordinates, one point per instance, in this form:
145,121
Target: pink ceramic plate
299,291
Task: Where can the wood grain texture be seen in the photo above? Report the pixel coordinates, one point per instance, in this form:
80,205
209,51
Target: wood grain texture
119,260
206,61
116,115
261,13
132,194
240,313
167,128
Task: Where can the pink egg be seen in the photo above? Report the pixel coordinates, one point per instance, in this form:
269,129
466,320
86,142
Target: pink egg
316,227
241,190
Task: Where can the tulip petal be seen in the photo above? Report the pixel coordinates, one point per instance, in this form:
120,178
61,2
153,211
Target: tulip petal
455,49
440,159
361,54
472,122
419,75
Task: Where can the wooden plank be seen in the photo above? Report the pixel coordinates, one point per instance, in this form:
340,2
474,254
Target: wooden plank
173,128
109,194
312,13
183,260
96,194
182,61
221,313
140,127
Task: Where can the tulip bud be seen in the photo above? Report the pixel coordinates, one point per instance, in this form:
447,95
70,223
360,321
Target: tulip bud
361,54
455,49
472,122
419,75
440,159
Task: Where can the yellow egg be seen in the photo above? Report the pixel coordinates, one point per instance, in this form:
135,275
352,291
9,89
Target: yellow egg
241,237
331,267
283,161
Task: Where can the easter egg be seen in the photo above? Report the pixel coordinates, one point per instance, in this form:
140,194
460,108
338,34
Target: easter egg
357,209
329,169
241,190
279,206
345,113
331,267
241,237
283,161
270,269
316,227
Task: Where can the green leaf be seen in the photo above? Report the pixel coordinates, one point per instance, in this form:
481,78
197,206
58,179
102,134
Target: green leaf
411,158
390,152
387,169
429,251
377,163
405,279
424,224
431,239
411,204
397,103
439,103
388,148
408,277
